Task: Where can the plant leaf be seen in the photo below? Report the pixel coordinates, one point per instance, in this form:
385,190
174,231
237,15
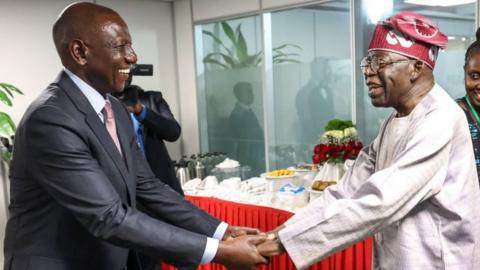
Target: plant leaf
5,99
279,61
5,88
12,88
242,51
281,54
229,60
286,45
238,30
251,60
6,156
7,127
217,40
229,32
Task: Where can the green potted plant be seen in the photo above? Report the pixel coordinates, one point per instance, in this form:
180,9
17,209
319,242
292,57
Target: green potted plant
237,55
7,126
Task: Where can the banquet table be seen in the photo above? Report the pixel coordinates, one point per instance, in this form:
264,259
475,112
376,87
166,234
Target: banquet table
356,257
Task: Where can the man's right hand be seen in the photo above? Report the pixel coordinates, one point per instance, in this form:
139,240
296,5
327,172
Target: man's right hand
241,252
136,108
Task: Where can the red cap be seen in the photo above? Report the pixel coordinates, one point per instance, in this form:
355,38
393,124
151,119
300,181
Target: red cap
409,34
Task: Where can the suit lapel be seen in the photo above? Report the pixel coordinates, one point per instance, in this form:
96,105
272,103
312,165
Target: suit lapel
98,128
122,121
123,129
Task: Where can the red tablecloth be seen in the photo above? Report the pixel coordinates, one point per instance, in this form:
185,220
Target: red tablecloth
356,257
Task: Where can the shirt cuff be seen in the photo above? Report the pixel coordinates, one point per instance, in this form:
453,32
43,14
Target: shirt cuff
142,115
210,250
220,231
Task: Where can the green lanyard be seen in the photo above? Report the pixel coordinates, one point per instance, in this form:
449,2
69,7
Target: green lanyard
472,109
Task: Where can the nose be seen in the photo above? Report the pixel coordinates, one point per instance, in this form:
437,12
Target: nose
131,56
368,71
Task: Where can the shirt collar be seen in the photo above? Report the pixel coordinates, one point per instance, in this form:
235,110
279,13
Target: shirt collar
93,96
135,122
243,106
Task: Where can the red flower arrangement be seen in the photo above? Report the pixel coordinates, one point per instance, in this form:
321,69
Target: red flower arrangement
339,143
336,153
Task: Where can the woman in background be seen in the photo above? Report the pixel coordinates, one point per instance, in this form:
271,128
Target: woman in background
470,103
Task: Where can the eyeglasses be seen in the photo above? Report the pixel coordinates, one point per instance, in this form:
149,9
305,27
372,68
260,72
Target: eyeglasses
376,64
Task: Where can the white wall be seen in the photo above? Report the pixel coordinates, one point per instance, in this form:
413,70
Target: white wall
30,62
185,54
29,59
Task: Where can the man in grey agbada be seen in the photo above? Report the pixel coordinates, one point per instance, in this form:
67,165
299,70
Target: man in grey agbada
415,186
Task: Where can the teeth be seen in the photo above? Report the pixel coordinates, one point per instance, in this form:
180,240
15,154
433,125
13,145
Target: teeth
124,71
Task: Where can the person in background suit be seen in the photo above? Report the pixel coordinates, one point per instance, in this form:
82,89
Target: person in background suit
153,122
246,130
77,171
415,187
314,102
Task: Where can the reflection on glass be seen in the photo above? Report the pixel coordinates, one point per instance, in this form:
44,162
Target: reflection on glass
230,105
310,79
246,130
315,94
307,95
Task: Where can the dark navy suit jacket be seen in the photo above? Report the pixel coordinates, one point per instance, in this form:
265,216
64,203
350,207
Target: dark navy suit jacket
73,195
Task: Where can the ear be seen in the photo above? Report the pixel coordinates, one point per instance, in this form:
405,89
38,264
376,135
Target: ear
418,67
78,51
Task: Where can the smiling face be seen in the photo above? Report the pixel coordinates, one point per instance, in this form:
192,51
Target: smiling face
108,54
390,85
472,79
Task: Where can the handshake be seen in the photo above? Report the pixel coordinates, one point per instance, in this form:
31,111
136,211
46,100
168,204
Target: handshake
247,248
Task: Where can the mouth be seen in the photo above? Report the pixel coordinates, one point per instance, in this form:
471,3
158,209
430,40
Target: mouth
125,71
476,95
374,90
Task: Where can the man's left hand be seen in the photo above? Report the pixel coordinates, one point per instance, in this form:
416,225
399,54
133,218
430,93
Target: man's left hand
234,231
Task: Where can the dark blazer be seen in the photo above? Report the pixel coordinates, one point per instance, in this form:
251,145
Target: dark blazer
247,135
73,194
159,125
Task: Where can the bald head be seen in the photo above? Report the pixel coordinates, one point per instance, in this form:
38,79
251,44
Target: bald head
79,21
94,43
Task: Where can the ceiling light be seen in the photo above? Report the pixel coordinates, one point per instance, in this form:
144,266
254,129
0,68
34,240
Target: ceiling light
441,3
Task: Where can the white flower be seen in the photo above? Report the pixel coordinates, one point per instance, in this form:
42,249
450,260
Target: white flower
337,134
351,133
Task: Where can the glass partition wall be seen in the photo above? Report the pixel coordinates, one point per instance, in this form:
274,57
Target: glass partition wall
269,82
314,86
229,82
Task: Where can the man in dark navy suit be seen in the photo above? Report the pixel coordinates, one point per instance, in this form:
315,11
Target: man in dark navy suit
77,171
